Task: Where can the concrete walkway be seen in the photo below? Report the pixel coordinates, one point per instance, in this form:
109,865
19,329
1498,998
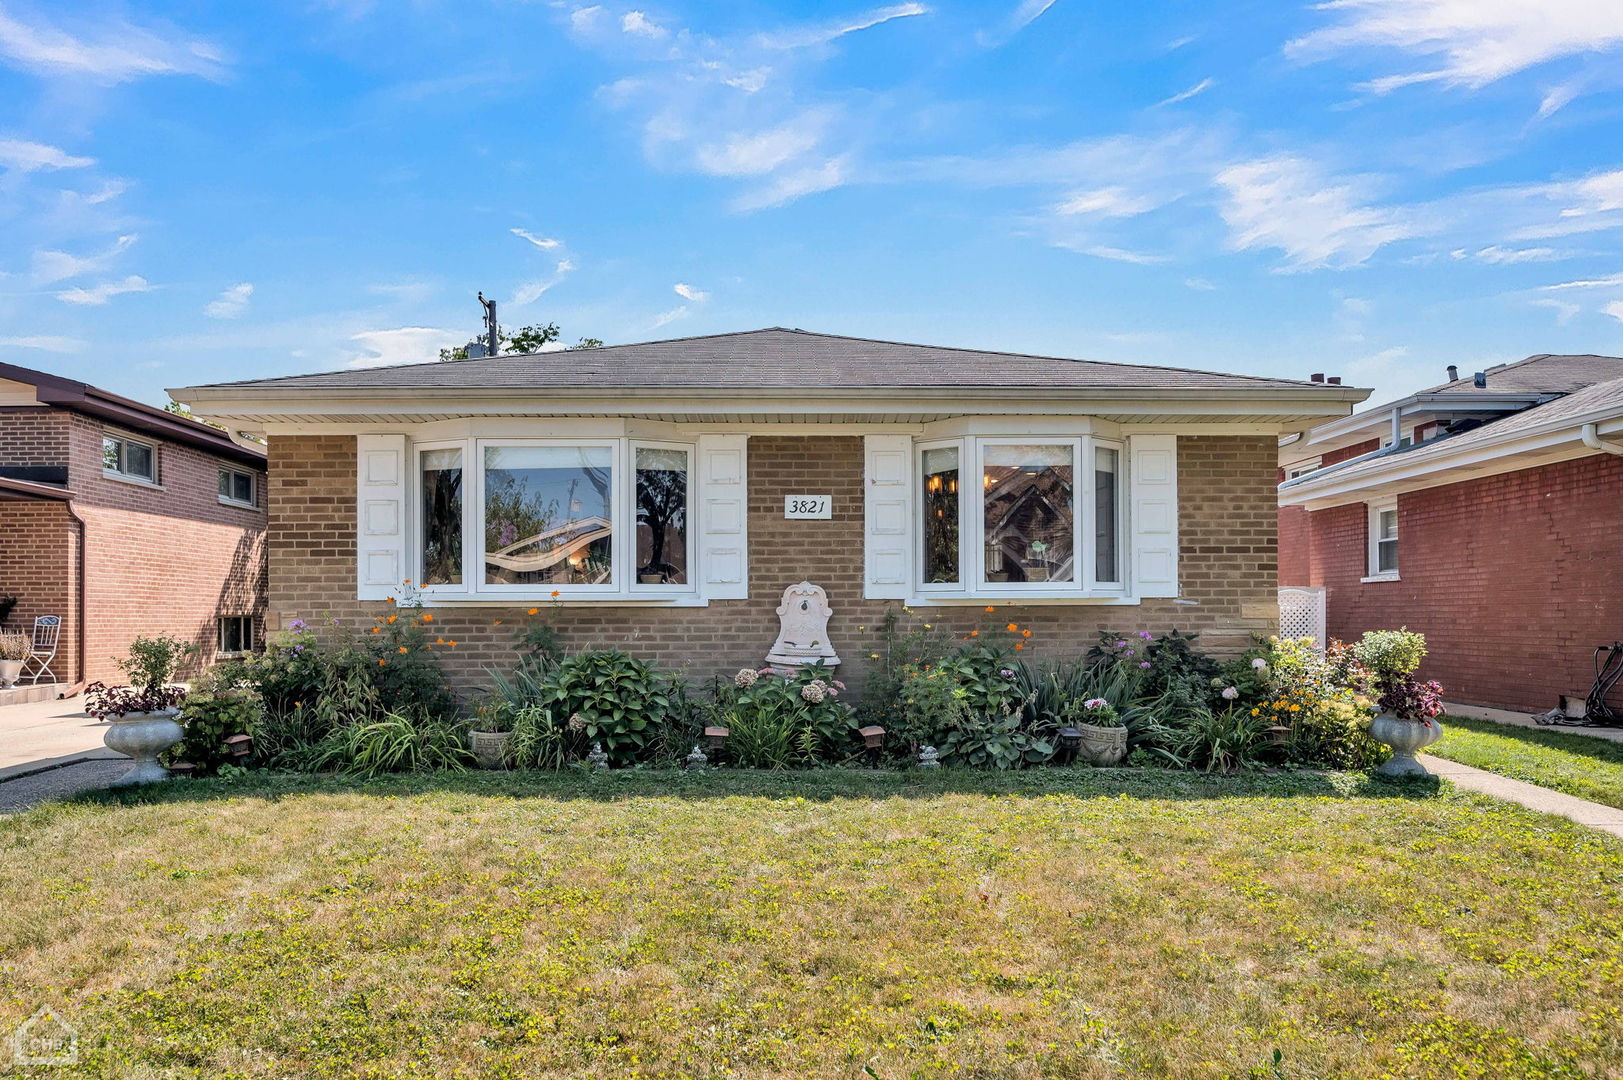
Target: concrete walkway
45,734
1525,720
1608,819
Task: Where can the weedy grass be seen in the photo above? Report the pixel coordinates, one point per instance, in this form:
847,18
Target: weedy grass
1580,765
833,923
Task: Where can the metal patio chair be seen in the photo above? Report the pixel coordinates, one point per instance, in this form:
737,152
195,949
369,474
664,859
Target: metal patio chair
37,666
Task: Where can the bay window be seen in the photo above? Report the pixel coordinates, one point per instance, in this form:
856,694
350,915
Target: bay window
553,518
1044,519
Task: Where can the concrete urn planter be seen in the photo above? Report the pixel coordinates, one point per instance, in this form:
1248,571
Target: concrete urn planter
1103,746
1404,737
143,736
490,748
10,672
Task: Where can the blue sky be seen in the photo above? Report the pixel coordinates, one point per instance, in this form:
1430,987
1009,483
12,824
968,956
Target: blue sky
193,192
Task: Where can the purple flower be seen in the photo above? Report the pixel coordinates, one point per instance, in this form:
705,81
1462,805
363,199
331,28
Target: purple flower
298,648
1121,644
1145,634
1007,673
1143,663
296,624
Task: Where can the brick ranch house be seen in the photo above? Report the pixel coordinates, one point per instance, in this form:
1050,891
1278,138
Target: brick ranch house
1484,512
670,491
124,520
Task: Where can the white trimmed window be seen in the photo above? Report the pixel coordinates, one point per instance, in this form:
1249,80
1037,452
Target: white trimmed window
525,519
1383,540
129,459
238,488
1302,468
1021,517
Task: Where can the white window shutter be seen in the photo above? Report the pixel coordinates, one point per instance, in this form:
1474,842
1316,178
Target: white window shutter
1153,514
380,515
724,516
888,516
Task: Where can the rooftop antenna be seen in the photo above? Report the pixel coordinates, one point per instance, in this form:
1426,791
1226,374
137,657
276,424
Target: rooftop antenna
492,333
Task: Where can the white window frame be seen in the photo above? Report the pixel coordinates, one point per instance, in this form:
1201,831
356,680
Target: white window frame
253,488
247,635
1302,468
1373,562
972,532
622,584
120,473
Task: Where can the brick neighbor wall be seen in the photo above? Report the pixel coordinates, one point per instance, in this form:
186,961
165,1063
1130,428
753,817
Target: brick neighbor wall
33,435
1227,502
1514,579
39,562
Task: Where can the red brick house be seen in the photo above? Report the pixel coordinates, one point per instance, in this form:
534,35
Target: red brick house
1484,512
660,497
125,519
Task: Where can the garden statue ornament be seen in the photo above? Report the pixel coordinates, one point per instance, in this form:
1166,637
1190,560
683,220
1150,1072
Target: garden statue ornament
803,618
697,760
929,758
597,758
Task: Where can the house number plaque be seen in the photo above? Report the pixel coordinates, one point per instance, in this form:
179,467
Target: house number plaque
817,507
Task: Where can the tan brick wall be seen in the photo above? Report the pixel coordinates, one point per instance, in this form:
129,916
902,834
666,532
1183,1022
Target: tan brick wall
1226,495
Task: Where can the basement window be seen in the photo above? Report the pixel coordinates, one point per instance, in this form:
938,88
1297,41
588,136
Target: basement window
236,635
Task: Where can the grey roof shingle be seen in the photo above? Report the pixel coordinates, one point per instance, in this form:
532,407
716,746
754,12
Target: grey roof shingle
772,359
1546,373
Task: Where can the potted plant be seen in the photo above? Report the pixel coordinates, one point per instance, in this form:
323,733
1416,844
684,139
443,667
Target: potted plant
1104,737
7,603
14,649
141,716
1407,721
490,734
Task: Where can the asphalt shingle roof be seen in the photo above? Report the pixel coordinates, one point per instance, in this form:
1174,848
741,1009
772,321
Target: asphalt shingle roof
1547,373
775,358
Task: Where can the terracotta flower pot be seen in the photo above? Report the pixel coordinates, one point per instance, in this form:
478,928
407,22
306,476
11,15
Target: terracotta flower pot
143,736
1404,737
490,748
1104,746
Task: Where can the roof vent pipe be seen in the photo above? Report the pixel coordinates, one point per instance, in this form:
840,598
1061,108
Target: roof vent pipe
1317,376
1480,380
1334,380
1453,373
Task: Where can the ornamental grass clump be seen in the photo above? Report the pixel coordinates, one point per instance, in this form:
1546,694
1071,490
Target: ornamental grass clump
15,646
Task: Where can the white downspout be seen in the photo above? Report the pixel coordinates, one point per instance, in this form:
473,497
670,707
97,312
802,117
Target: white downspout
1590,433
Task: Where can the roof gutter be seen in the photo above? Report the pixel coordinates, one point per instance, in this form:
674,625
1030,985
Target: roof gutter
1590,434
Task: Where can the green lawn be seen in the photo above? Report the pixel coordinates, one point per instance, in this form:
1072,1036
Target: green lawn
1580,765
1057,923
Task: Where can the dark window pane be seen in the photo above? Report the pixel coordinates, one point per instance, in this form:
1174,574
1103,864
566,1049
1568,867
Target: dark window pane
1030,510
138,460
548,515
941,515
225,483
442,517
1106,463
662,516
242,487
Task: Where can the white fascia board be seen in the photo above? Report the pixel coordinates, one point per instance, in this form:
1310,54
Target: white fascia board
1558,441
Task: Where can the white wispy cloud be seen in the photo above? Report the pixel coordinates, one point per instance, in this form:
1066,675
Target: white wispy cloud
1564,310
404,292
762,152
1199,284
1496,255
402,345
1116,254
1587,283
545,243
802,37
635,22
688,292
786,187
669,317
96,295
530,291
23,156
1115,201
1467,42
1614,309
585,18
50,265
231,302
45,343
114,51
1199,88
1288,204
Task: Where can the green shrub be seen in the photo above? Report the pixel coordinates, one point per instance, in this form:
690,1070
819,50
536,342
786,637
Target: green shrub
777,721
607,697
1390,654
154,662
208,719
395,743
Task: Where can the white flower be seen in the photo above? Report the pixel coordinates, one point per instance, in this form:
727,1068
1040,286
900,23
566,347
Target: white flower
1260,664
1230,693
577,723
745,678
814,691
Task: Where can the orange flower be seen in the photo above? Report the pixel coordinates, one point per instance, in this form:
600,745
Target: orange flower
989,607
388,599
1019,644
974,633
405,581
1025,633
451,643
401,650
392,618
382,662
556,594
428,618
1013,627
498,622
533,611
377,629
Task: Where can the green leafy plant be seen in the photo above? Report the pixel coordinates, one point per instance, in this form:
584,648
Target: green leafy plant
154,662
1390,654
208,719
775,721
1226,740
1096,711
607,697
395,743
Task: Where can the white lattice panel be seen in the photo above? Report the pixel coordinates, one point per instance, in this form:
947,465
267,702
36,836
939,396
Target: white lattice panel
1301,613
